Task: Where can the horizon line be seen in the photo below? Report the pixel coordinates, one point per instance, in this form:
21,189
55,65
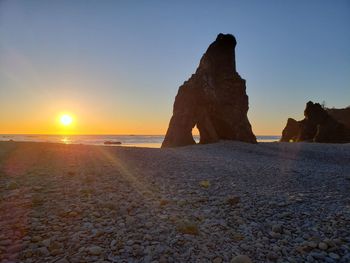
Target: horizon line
106,134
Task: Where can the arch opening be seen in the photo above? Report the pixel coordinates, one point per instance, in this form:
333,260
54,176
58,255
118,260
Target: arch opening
196,134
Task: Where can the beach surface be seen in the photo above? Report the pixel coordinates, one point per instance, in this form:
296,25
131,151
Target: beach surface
274,202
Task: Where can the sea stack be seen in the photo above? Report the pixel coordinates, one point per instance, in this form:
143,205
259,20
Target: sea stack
319,125
214,99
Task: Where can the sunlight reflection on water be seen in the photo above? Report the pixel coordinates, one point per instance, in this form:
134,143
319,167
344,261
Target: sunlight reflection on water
152,141
66,140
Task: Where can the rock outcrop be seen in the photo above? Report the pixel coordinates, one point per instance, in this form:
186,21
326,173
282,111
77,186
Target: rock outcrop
214,99
317,126
341,115
291,131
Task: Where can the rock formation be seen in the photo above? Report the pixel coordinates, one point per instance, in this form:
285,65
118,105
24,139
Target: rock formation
341,115
317,126
214,99
291,131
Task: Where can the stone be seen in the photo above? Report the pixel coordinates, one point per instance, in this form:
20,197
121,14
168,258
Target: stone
217,260
341,115
148,224
241,259
147,237
55,245
5,242
187,227
162,259
95,250
214,99
317,126
112,142
62,260
233,200
43,251
28,253
290,132
113,243
15,248
56,252
204,183
73,214
317,255
36,239
46,242
275,234
272,255
12,186
334,256
312,244
277,228
322,246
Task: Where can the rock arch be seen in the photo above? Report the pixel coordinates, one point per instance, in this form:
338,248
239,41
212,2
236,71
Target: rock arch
214,99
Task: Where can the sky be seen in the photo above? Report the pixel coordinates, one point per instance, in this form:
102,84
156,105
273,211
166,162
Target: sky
116,66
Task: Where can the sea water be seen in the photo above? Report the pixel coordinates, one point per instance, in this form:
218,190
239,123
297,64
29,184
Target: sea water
153,141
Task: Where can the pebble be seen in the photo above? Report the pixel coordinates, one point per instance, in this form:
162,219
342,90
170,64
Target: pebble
28,253
312,244
272,255
46,242
73,214
55,245
56,252
217,260
334,255
317,255
5,242
146,211
322,246
147,237
275,234
12,186
233,200
43,251
36,239
15,248
95,250
277,228
113,243
241,259
163,259
62,260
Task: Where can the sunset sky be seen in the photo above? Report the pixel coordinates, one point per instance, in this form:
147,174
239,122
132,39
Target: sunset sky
115,66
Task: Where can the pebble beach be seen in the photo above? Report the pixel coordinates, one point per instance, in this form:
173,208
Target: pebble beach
225,202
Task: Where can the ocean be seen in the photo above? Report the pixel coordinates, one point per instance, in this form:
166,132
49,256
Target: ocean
152,141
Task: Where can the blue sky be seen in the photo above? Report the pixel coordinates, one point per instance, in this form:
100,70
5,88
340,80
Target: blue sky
117,65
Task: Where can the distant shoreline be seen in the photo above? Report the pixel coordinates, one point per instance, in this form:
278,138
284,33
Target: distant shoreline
151,141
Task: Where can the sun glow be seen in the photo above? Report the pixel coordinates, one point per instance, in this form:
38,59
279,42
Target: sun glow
66,120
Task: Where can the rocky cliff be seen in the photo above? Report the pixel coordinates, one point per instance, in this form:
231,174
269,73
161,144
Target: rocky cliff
341,115
214,99
317,126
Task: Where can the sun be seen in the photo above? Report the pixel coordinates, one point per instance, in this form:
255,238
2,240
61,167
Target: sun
66,120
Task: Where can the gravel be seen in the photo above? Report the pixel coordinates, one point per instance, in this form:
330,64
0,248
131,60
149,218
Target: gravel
225,202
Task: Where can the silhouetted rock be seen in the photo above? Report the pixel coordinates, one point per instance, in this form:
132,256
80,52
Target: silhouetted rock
341,115
214,99
112,143
291,131
317,126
